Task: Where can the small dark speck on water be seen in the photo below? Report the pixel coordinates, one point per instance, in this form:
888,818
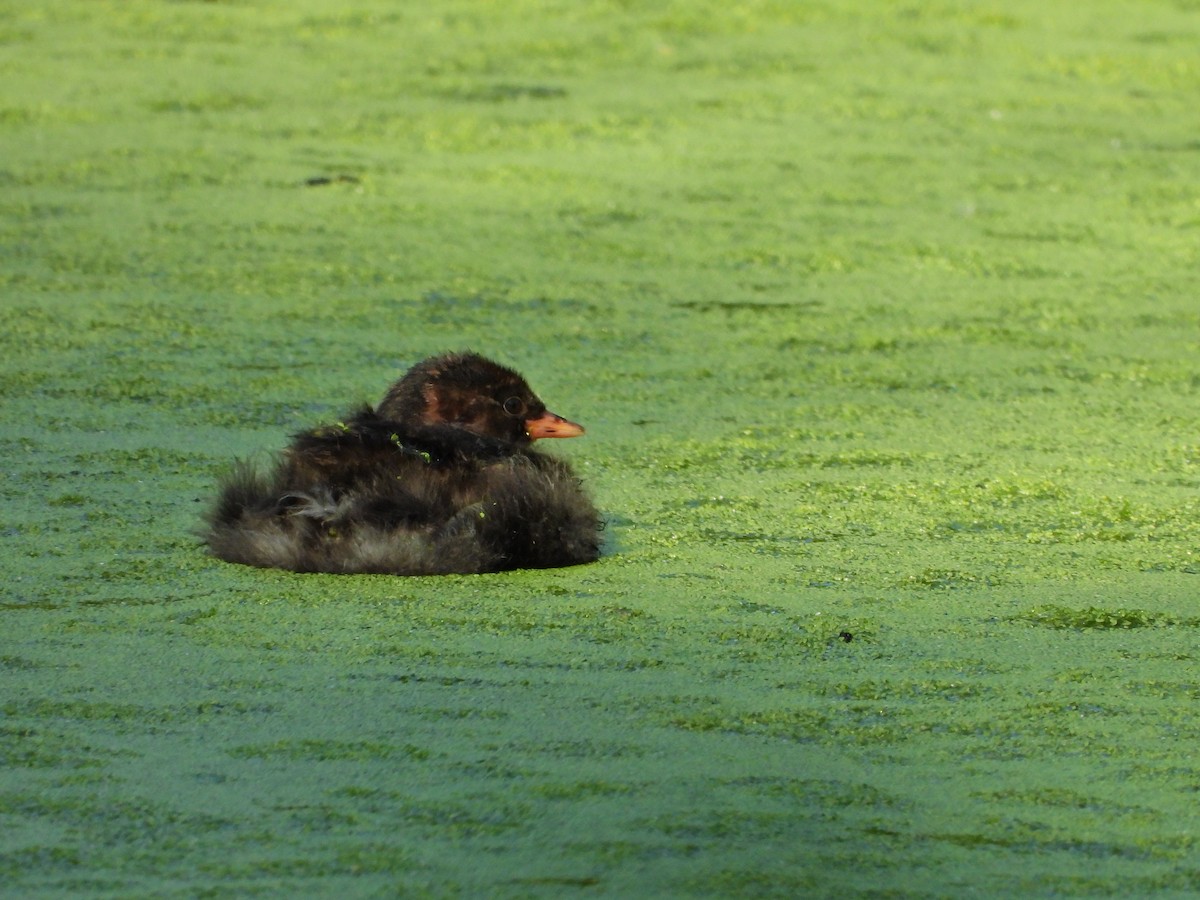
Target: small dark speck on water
319,180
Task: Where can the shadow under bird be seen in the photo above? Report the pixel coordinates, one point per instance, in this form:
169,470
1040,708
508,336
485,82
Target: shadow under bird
441,477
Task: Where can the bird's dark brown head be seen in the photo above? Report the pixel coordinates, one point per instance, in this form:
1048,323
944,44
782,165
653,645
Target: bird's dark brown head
468,391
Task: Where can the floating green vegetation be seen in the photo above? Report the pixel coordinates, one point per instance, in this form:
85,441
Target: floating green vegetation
51,709
356,861
947,579
1068,799
461,817
582,789
39,748
1094,617
312,749
501,93
889,379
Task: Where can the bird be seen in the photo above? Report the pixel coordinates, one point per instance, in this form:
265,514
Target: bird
439,478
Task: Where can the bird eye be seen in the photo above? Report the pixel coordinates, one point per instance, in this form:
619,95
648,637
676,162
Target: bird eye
514,406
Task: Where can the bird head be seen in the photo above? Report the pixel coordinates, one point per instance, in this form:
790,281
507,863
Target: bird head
465,390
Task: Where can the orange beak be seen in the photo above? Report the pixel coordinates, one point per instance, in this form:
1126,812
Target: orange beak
551,426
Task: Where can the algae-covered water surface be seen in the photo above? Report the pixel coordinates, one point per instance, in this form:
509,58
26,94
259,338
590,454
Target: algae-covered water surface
883,322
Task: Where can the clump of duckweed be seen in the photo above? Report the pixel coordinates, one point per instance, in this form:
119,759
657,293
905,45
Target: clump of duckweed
1095,617
329,750
946,579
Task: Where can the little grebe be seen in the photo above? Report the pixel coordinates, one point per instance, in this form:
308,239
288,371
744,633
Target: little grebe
439,478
